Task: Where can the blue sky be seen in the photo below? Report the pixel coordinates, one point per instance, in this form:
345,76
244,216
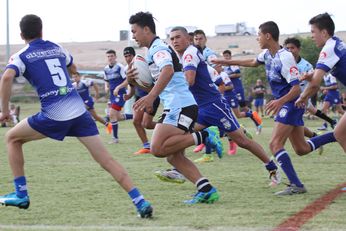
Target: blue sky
81,21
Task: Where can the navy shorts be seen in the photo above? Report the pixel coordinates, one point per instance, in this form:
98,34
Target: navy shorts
80,126
290,114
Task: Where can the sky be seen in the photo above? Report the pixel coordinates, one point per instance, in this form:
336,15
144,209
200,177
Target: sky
102,20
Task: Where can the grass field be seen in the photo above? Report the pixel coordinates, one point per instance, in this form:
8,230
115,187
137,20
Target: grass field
69,191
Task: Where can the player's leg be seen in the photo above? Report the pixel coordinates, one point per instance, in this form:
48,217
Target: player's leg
118,172
114,114
137,123
206,193
280,134
340,133
15,138
97,117
298,142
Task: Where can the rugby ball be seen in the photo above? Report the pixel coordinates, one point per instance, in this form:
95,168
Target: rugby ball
144,75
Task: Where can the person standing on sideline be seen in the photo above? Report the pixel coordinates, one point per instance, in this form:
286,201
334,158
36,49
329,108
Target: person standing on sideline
283,77
259,90
82,86
332,60
114,75
46,66
172,134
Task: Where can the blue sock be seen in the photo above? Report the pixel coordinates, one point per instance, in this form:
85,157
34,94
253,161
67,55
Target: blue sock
128,116
318,141
136,197
146,145
115,129
271,166
248,113
208,149
285,163
20,186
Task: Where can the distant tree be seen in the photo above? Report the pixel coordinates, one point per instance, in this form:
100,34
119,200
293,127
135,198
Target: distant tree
250,76
309,50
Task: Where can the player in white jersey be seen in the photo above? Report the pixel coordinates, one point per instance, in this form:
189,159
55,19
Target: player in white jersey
46,66
332,59
172,134
82,86
283,77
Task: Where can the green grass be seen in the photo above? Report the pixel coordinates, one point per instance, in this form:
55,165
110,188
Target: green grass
69,191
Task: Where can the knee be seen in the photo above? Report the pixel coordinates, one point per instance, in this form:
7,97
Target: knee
156,151
136,123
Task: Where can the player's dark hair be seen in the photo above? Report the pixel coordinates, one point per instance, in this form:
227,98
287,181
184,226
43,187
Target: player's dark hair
143,19
227,52
31,26
323,21
180,28
196,32
293,41
129,51
111,52
271,28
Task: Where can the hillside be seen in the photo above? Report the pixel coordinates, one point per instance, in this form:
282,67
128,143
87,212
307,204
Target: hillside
91,55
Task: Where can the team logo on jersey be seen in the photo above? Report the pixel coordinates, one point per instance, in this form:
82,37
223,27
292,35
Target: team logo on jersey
283,112
323,55
294,71
161,55
188,58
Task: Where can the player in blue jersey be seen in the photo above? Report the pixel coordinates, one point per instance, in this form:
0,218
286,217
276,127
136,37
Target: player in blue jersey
141,120
234,74
114,75
82,86
283,77
331,98
200,41
46,66
172,134
332,60
213,109
304,67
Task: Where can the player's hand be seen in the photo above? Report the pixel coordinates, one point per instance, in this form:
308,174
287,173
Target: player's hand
5,116
273,107
306,76
127,97
116,91
217,61
301,102
131,74
144,103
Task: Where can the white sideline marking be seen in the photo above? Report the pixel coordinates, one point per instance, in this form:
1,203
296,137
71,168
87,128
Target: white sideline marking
124,228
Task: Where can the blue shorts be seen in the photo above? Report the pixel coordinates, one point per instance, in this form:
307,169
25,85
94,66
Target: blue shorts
290,115
217,114
81,126
232,100
259,102
332,98
117,101
183,118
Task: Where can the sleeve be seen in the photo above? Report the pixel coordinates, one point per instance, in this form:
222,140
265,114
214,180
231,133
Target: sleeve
289,69
190,60
261,57
69,58
16,64
328,58
162,58
122,71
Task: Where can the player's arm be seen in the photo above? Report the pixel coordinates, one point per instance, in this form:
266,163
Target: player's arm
165,76
96,89
312,88
5,92
190,76
239,62
331,87
120,86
